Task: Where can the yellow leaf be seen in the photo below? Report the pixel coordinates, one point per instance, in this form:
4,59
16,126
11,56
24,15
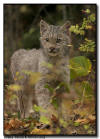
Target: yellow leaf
88,27
34,78
5,70
17,73
44,120
15,87
15,79
58,130
41,132
26,125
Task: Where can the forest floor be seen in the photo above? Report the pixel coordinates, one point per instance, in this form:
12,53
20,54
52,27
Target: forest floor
82,121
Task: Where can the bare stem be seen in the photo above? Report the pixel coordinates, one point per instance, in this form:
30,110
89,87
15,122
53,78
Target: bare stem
82,101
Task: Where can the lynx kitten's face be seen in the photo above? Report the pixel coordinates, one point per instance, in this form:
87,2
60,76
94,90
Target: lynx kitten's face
54,38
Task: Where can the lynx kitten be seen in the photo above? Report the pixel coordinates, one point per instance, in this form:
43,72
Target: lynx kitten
55,51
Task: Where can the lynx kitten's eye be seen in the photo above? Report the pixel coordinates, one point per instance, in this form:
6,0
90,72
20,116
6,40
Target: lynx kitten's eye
47,39
58,40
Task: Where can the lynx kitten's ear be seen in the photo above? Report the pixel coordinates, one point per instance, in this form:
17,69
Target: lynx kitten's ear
65,28
43,26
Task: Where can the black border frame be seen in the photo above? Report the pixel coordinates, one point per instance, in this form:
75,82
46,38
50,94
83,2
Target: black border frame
96,75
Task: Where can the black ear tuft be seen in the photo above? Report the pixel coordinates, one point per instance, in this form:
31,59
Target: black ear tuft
66,27
43,26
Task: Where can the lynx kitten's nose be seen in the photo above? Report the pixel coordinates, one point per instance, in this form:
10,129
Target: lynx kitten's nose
51,49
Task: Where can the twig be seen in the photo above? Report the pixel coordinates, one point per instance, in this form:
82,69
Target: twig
82,101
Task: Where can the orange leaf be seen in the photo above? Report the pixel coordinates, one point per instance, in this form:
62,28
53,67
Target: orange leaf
7,126
15,123
54,118
82,121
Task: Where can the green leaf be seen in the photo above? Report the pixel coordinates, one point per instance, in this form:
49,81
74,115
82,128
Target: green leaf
80,65
76,101
54,102
73,74
38,108
76,124
72,28
31,30
32,125
63,123
46,64
87,11
33,76
75,29
44,120
27,72
13,97
15,87
86,126
49,88
87,46
92,17
58,130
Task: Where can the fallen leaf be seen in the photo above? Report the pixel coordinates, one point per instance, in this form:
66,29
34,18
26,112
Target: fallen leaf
15,123
91,118
44,120
7,132
82,121
26,125
86,126
41,132
54,118
7,126
76,123
58,130
5,115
